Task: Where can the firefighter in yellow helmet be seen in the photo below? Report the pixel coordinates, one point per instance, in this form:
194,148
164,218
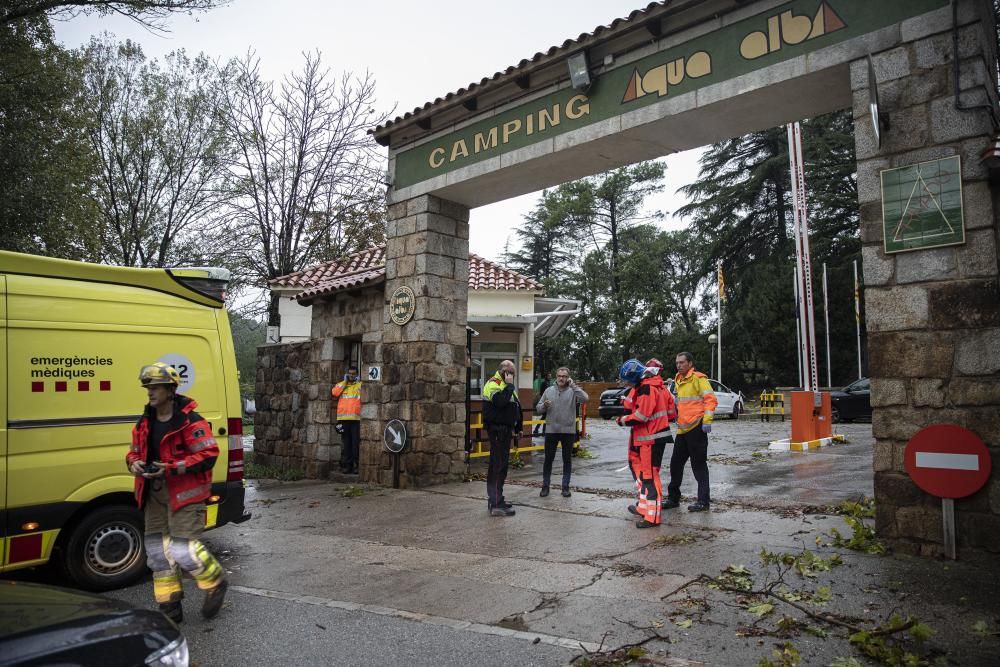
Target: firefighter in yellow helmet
171,456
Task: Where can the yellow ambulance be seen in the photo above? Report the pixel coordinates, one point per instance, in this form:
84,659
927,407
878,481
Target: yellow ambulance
73,337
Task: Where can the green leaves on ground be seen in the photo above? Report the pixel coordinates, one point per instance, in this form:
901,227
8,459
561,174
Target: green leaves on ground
862,535
736,577
806,563
982,630
352,491
785,655
762,609
845,662
888,644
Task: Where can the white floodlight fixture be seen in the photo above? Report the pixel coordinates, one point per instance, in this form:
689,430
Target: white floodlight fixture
579,71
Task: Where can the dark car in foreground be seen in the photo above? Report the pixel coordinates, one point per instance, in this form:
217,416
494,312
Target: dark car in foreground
45,625
852,402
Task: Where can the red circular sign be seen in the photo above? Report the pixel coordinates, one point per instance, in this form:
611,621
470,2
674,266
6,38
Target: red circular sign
947,460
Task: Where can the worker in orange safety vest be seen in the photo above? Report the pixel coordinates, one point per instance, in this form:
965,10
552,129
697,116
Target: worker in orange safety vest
348,395
696,405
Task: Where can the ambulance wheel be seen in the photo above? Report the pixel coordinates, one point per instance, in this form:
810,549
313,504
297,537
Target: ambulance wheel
106,550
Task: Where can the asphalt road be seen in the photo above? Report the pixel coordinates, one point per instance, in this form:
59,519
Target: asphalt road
426,577
741,467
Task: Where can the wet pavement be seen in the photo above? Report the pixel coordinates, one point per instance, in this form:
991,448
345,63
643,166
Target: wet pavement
740,465
426,577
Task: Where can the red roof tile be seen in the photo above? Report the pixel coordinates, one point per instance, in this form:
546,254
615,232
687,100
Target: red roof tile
314,275
368,268
484,274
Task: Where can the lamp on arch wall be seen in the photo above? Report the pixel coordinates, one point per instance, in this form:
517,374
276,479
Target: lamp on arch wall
579,71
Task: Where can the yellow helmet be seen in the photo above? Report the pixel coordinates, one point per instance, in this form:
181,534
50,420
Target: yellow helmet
159,373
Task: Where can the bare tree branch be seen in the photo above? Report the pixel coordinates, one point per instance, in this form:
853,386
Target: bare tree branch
305,176
150,14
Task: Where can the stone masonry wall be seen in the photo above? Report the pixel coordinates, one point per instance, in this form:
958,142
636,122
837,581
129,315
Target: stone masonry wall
281,426
933,315
427,249
295,411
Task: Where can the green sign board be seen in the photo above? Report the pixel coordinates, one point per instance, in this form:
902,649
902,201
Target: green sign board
922,205
785,32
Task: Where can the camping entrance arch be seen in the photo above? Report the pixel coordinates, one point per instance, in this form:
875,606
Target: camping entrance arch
676,76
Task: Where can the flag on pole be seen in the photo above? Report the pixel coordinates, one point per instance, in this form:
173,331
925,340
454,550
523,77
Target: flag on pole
722,285
857,300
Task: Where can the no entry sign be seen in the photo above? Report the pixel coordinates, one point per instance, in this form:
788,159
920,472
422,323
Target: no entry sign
947,460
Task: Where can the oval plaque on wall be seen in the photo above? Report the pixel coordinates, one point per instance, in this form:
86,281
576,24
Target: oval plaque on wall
402,303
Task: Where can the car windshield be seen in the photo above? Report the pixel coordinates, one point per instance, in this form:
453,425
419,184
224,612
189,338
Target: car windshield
718,387
859,385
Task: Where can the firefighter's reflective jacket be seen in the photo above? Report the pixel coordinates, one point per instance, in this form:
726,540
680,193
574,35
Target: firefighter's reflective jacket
651,406
188,450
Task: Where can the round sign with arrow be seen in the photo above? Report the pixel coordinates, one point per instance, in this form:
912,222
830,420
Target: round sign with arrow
395,436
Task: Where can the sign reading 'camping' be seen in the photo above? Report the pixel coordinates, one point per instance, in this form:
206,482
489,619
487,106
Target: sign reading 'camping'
787,31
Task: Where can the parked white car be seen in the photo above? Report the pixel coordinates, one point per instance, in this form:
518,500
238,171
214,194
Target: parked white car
731,403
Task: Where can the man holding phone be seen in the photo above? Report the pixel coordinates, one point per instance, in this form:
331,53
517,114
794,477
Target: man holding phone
503,421
559,403
348,395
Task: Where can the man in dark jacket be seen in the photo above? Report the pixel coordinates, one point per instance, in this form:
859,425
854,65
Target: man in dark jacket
502,419
171,456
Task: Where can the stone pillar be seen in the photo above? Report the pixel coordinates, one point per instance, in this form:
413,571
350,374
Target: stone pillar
427,250
933,315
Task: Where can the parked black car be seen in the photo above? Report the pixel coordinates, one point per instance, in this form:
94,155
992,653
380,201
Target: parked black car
45,625
611,402
852,402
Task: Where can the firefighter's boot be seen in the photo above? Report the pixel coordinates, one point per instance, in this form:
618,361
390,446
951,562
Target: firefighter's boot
173,610
213,599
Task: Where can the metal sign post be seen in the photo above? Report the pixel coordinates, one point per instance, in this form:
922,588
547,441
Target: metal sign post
948,461
803,267
394,440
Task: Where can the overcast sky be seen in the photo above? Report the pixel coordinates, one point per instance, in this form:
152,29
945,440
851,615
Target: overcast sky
417,51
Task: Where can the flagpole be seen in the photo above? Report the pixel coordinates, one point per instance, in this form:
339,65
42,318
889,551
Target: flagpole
718,332
798,333
826,318
857,313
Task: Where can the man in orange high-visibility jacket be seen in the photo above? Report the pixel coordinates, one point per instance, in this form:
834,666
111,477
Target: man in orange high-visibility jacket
696,405
348,395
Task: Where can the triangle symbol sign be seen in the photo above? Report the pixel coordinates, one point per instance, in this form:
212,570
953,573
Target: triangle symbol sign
634,89
830,19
